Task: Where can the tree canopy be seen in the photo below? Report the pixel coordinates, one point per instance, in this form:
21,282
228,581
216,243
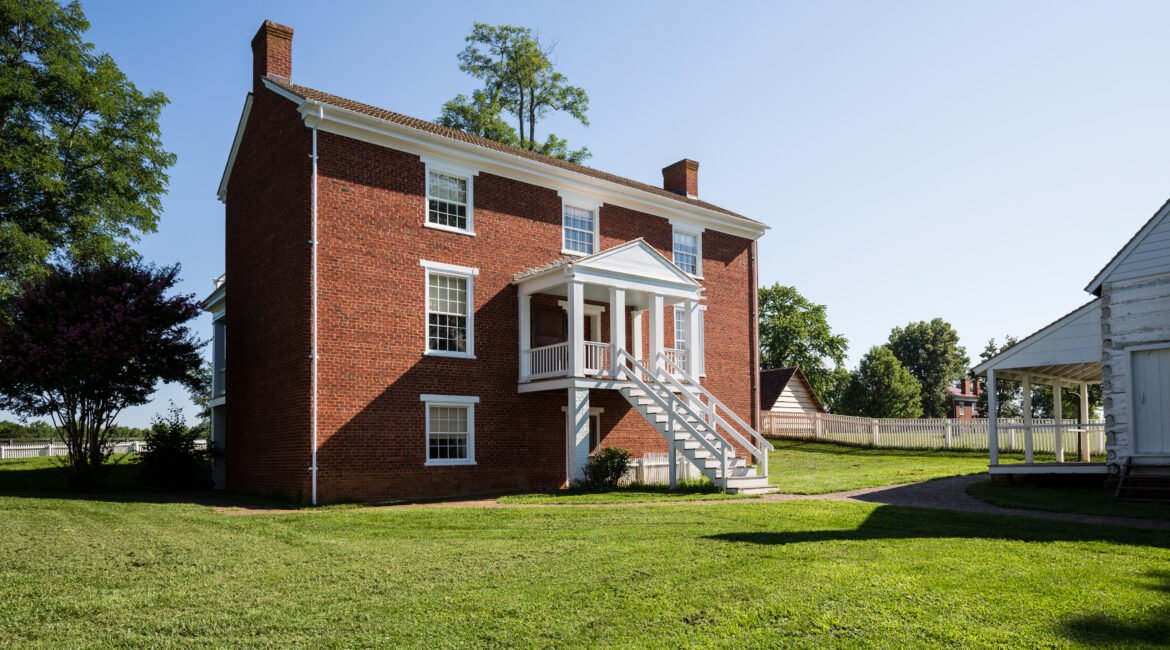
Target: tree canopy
932,354
794,331
82,166
79,344
882,388
519,79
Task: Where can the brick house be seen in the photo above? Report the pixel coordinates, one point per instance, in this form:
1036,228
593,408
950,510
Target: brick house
963,399
416,311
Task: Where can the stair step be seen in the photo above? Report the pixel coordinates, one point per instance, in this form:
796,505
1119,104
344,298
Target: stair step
767,489
747,481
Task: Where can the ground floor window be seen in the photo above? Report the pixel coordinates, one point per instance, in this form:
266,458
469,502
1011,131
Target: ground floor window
450,429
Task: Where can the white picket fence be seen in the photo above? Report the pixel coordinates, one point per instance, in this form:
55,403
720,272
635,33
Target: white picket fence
654,469
929,433
51,448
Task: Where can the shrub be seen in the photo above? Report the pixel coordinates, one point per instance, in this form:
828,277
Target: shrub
607,467
171,460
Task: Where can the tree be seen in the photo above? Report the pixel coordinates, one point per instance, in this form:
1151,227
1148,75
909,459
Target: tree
882,388
1008,394
795,332
519,79
81,343
931,352
82,167
199,389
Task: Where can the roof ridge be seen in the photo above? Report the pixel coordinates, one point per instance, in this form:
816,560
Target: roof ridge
402,119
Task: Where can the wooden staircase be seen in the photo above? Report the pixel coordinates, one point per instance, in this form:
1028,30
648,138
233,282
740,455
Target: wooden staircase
1143,482
689,417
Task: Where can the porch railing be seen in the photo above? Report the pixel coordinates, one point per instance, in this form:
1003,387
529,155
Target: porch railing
545,361
675,357
597,357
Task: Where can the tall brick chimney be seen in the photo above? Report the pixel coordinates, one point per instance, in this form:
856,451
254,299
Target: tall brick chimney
272,51
682,178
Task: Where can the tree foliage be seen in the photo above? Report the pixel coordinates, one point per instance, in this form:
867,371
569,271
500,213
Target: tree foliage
1007,393
882,388
519,79
172,461
82,166
932,354
794,331
81,343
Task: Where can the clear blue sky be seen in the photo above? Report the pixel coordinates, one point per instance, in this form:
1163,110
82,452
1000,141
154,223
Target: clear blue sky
974,161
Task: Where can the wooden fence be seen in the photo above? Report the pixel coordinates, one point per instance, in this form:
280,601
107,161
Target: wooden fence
33,449
940,433
654,469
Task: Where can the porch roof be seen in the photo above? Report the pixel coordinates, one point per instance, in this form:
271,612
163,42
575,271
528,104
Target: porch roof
633,265
1068,349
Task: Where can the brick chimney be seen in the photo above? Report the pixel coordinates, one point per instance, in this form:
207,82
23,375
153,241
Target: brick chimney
272,51
682,178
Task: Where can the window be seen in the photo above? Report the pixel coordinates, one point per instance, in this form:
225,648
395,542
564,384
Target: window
701,344
450,304
687,251
680,328
450,429
580,226
962,409
449,198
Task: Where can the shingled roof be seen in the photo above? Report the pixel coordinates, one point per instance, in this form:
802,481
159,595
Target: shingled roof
305,92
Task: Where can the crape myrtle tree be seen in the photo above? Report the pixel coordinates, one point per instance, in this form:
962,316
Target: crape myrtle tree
794,331
80,343
82,166
882,388
520,80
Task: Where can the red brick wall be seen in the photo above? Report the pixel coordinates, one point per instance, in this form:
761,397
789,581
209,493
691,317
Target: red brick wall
268,303
372,325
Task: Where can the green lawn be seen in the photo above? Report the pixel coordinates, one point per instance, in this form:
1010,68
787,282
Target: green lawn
1083,500
818,468
631,494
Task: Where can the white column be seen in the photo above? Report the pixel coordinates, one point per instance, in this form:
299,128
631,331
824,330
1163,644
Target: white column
576,303
993,417
657,337
692,337
636,334
1057,414
524,329
1029,448
617,326
577,435
1086,454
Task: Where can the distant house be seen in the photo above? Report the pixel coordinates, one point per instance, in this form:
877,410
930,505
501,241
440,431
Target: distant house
787,390
964,397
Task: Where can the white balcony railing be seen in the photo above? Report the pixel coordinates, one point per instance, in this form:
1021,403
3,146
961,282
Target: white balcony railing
676,357
597,357
545,361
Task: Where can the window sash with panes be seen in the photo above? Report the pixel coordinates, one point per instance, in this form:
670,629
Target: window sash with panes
448,433
446,313
447,200
680,328
579,225
686,251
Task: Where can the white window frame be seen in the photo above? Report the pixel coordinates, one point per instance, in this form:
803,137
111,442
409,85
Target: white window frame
691,231
465,173
701,344
581,203
467,402
680,310
442,268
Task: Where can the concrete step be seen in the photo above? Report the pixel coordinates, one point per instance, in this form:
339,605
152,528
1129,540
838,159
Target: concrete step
770,489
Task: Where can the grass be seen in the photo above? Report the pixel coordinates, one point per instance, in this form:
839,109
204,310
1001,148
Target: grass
819,468
631,494
1081,500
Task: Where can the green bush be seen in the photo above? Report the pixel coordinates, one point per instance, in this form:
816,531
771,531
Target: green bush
171,460
607,467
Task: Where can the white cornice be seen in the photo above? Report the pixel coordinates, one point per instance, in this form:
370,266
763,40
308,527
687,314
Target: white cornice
381,132
231,161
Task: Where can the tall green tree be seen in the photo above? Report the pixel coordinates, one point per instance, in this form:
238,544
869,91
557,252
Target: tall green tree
519,79
82,166
882,388
931,352
794,331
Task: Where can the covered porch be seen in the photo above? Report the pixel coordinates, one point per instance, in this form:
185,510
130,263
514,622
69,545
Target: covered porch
1064,355
577,317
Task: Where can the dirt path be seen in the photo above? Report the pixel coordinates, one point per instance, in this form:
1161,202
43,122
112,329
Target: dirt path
936,494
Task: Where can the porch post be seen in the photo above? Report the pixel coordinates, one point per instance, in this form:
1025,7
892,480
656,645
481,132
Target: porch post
1058,415
692,336
1086,447
524,329
577,435
992,422
617,327
1029,444
657,306
636,334
575,293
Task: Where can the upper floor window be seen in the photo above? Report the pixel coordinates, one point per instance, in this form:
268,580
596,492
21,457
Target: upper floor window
580,228
680,328
688,251
448,200
450,292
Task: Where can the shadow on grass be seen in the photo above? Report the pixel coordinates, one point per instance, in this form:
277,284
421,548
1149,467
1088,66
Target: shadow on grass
902,522
1103,629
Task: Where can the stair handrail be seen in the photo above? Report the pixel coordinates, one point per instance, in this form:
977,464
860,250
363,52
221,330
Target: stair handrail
714,403
632,374
715,419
